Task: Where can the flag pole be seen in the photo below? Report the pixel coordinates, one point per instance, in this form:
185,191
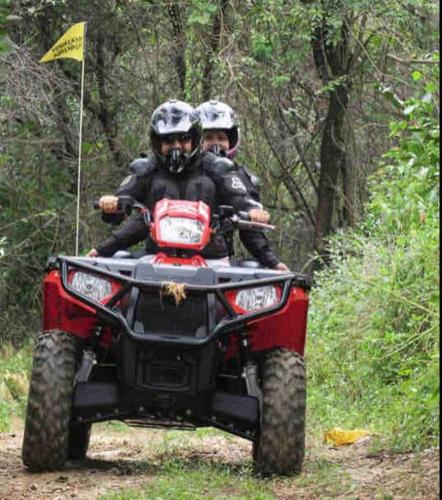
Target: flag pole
77,232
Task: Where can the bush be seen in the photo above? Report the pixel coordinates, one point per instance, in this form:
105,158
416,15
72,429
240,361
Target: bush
14,382
374,350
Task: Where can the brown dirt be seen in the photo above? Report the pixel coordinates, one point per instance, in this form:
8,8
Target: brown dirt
130,459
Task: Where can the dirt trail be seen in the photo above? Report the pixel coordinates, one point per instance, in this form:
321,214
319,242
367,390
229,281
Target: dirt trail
131,458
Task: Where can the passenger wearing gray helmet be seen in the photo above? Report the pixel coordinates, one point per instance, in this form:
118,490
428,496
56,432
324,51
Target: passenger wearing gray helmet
221,136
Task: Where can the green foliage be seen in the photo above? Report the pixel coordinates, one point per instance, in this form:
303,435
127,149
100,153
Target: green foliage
14,369
201,13
5,6
34,211
406,189
374,347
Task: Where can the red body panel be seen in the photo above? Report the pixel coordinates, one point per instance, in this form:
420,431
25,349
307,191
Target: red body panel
195,260
194,210
61,311
286,328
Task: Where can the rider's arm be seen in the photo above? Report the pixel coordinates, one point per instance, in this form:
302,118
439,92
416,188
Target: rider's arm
258,245
235,193
255,241
134,231
134,185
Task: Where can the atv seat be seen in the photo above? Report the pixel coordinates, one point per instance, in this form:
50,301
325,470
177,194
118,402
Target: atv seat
248,263
125,254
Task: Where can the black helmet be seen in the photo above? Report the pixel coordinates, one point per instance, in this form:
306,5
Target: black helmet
175,118
216,115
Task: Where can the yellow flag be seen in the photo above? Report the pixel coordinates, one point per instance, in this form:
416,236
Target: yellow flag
69,45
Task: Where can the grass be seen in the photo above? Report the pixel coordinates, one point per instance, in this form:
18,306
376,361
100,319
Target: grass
209,464
14,383
186,465
373,348
183,480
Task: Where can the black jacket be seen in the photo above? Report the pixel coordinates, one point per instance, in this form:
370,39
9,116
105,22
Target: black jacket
255,241
213,181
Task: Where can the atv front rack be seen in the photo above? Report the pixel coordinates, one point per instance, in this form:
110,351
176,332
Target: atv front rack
234,322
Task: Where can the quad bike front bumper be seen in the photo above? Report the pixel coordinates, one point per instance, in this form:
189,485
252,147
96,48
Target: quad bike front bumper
215,292
167,375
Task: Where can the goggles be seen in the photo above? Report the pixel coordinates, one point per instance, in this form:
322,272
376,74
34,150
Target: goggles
170,139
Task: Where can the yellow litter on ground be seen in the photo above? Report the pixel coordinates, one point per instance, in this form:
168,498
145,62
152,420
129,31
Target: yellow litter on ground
341,437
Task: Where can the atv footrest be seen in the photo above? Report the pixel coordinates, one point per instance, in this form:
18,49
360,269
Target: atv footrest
237,408
95,394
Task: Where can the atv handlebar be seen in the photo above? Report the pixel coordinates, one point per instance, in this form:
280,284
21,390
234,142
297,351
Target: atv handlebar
240,220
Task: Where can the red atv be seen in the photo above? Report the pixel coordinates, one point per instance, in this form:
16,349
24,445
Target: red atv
170,340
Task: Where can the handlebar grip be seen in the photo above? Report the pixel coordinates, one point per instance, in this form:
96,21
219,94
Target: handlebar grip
243,224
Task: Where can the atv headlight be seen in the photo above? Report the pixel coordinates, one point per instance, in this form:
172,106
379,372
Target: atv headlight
257,298
180,230
90,285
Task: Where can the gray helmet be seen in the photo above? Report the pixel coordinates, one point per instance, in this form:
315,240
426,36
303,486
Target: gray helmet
216,115
175,118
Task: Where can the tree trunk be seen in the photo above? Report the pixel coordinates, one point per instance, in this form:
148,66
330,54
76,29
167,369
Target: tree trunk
215,38
351,203
179,46
106,114
332,61
333,160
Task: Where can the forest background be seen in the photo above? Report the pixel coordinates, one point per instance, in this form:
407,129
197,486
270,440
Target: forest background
338,103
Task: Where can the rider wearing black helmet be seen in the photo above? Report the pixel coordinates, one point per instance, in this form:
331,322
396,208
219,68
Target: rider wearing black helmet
221,136
175,136
176,171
